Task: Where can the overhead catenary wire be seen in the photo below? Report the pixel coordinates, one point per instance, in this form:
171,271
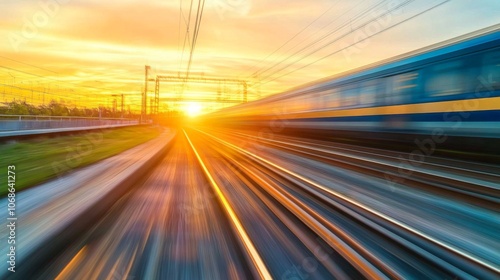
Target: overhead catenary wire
41,86
350,45
179,28
290,39
328,43
186,36
53,79
199,16
322,38
21,62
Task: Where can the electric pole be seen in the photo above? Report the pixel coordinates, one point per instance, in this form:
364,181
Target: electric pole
144,94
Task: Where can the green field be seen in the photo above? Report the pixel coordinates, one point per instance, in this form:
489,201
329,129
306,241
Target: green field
40,159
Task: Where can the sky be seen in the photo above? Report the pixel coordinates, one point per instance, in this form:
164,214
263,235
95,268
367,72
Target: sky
86,52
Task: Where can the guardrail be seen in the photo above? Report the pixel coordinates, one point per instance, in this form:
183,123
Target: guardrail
27,122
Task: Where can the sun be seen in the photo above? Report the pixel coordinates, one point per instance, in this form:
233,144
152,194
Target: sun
192,109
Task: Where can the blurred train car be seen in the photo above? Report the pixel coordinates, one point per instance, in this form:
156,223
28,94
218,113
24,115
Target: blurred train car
449,91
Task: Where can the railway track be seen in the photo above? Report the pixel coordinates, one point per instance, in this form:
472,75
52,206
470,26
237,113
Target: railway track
432,250
472,182
170,225
282,208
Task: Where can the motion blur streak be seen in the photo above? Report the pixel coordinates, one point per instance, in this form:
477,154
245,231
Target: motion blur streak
160,231
232,204
360,176
71,265
376,213
470,252
262,269
354,258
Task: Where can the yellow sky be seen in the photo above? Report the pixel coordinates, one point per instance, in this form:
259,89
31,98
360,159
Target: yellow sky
86,51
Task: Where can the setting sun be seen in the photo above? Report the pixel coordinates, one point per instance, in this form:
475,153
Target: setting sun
193,109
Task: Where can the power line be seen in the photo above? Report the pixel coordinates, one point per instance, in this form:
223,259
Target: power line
345,24
179,29
186,37
74,93
48,70
367,37
316,41
45,69
74,84
199,16
293,37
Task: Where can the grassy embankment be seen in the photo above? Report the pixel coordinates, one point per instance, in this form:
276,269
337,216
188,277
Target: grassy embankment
41,159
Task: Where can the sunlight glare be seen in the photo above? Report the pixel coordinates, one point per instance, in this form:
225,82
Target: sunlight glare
193,109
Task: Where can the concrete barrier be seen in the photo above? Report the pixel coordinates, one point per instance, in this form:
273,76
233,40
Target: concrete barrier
29,122
47,231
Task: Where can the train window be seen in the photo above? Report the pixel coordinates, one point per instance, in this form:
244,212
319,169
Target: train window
316,101
490,72
332,98
321,100
400,87
367,92
349,95
447,78
310,102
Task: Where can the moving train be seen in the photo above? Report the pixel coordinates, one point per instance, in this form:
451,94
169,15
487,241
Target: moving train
451,89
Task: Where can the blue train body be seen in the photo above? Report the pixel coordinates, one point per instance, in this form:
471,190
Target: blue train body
453,88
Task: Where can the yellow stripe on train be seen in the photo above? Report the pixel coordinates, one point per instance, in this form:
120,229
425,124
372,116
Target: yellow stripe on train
473,104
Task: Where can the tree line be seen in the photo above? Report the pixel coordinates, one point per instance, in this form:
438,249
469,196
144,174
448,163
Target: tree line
54,108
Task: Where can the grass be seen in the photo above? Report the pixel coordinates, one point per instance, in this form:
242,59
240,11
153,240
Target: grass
41,159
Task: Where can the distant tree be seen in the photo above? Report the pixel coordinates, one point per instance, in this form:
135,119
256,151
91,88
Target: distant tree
55,108
4,108
44,110
18,108
58,109
77,112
